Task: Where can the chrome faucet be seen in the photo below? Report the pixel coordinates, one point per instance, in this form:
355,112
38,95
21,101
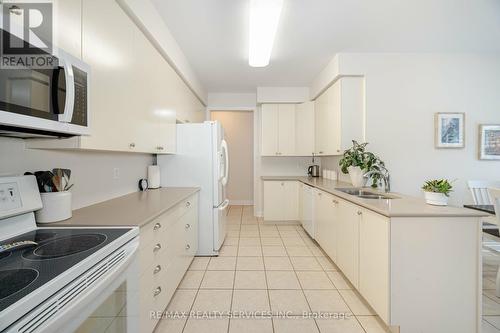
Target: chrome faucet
384,174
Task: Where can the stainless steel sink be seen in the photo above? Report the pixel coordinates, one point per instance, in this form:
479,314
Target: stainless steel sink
366,194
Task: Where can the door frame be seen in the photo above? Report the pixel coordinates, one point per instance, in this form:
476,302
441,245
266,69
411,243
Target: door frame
256,134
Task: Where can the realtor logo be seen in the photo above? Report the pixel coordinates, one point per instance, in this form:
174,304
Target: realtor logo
27,33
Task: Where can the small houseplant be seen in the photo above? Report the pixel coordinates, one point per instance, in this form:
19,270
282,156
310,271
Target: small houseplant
356,162
437,191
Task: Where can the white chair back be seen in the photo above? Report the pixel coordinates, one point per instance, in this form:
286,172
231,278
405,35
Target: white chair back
479,191
495,198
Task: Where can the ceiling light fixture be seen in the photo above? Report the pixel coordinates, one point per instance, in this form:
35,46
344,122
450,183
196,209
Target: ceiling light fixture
264,18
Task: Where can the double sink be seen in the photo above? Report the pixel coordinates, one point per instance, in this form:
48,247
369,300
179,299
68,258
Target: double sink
366,194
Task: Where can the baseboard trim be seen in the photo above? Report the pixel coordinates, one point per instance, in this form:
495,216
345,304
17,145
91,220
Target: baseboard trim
241,202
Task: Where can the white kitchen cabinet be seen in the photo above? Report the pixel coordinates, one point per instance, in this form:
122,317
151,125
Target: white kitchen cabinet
68,26
339,116
167,247
304,129
306,204
374,259
326,222
269,130
281,201
278,130
286,129
135,96
348,240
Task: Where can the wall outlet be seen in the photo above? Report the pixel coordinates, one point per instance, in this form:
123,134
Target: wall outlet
116,173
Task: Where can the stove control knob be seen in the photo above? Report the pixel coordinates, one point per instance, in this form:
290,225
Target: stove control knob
188,247
157,226
188,226
157,291
157,269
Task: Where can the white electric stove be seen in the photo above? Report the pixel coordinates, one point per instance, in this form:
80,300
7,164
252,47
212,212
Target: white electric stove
63,279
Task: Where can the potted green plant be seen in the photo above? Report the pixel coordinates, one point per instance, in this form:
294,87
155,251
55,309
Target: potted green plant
437,191
357,162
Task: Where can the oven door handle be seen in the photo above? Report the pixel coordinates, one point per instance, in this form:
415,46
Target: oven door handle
67,115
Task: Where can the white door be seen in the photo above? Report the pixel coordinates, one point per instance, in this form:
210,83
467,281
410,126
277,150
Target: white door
286,129
269,130
219,218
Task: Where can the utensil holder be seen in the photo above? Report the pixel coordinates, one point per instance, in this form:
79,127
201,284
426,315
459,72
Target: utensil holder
56,207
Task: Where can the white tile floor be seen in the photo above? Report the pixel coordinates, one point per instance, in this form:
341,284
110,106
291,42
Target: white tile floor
270,270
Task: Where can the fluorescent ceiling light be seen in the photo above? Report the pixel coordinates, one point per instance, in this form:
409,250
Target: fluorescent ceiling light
264,18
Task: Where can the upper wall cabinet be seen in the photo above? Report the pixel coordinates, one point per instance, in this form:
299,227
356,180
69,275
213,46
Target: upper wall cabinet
135,96
287,129
339,116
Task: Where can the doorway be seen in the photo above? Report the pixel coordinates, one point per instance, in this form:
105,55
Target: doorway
239,134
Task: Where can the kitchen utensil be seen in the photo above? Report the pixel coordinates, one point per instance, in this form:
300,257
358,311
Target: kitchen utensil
44,180
313,171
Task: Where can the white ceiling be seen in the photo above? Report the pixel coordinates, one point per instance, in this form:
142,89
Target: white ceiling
214,35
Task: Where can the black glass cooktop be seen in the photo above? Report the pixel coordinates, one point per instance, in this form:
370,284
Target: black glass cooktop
23,270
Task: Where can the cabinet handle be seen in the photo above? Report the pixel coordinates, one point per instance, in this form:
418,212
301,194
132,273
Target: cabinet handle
132,145
360,213
335,202
160,148
321,152
188,204
188,247
157,291
282,184
157,247
188,226
157,226
157,269
319,193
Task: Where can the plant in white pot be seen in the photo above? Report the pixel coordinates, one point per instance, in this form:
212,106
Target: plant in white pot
357,162
437,191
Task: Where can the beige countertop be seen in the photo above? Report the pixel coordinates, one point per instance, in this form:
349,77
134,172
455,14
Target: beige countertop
403,206
134,209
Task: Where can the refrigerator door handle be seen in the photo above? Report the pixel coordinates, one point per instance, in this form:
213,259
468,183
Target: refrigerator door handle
224,205
226,165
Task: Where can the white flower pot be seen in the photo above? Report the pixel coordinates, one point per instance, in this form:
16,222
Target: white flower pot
436,199
357,176
56,207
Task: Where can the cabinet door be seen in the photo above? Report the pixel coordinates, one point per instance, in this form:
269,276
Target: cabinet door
286,129
331,121
273,201
109,51
269,130
68,26
331,231
319,218
320,106
290,200
304,131
348,240
301,204
374,262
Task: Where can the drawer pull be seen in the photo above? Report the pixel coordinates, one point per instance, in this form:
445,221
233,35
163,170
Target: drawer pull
188,247
188,204
335,202
188,226
157,291
157,247
360,213
157,269
157,226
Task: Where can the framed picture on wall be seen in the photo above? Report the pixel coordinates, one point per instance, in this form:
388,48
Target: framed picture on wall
489,142
450,130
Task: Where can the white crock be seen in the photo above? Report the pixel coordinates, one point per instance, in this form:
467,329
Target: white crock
56,207
436,199
357,176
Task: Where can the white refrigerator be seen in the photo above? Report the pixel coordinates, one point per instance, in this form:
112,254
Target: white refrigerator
202,161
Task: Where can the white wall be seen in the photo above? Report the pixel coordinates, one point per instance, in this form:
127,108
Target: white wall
403,91
92,172
232,100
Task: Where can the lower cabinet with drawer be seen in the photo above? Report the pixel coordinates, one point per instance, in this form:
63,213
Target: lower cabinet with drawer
167,247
